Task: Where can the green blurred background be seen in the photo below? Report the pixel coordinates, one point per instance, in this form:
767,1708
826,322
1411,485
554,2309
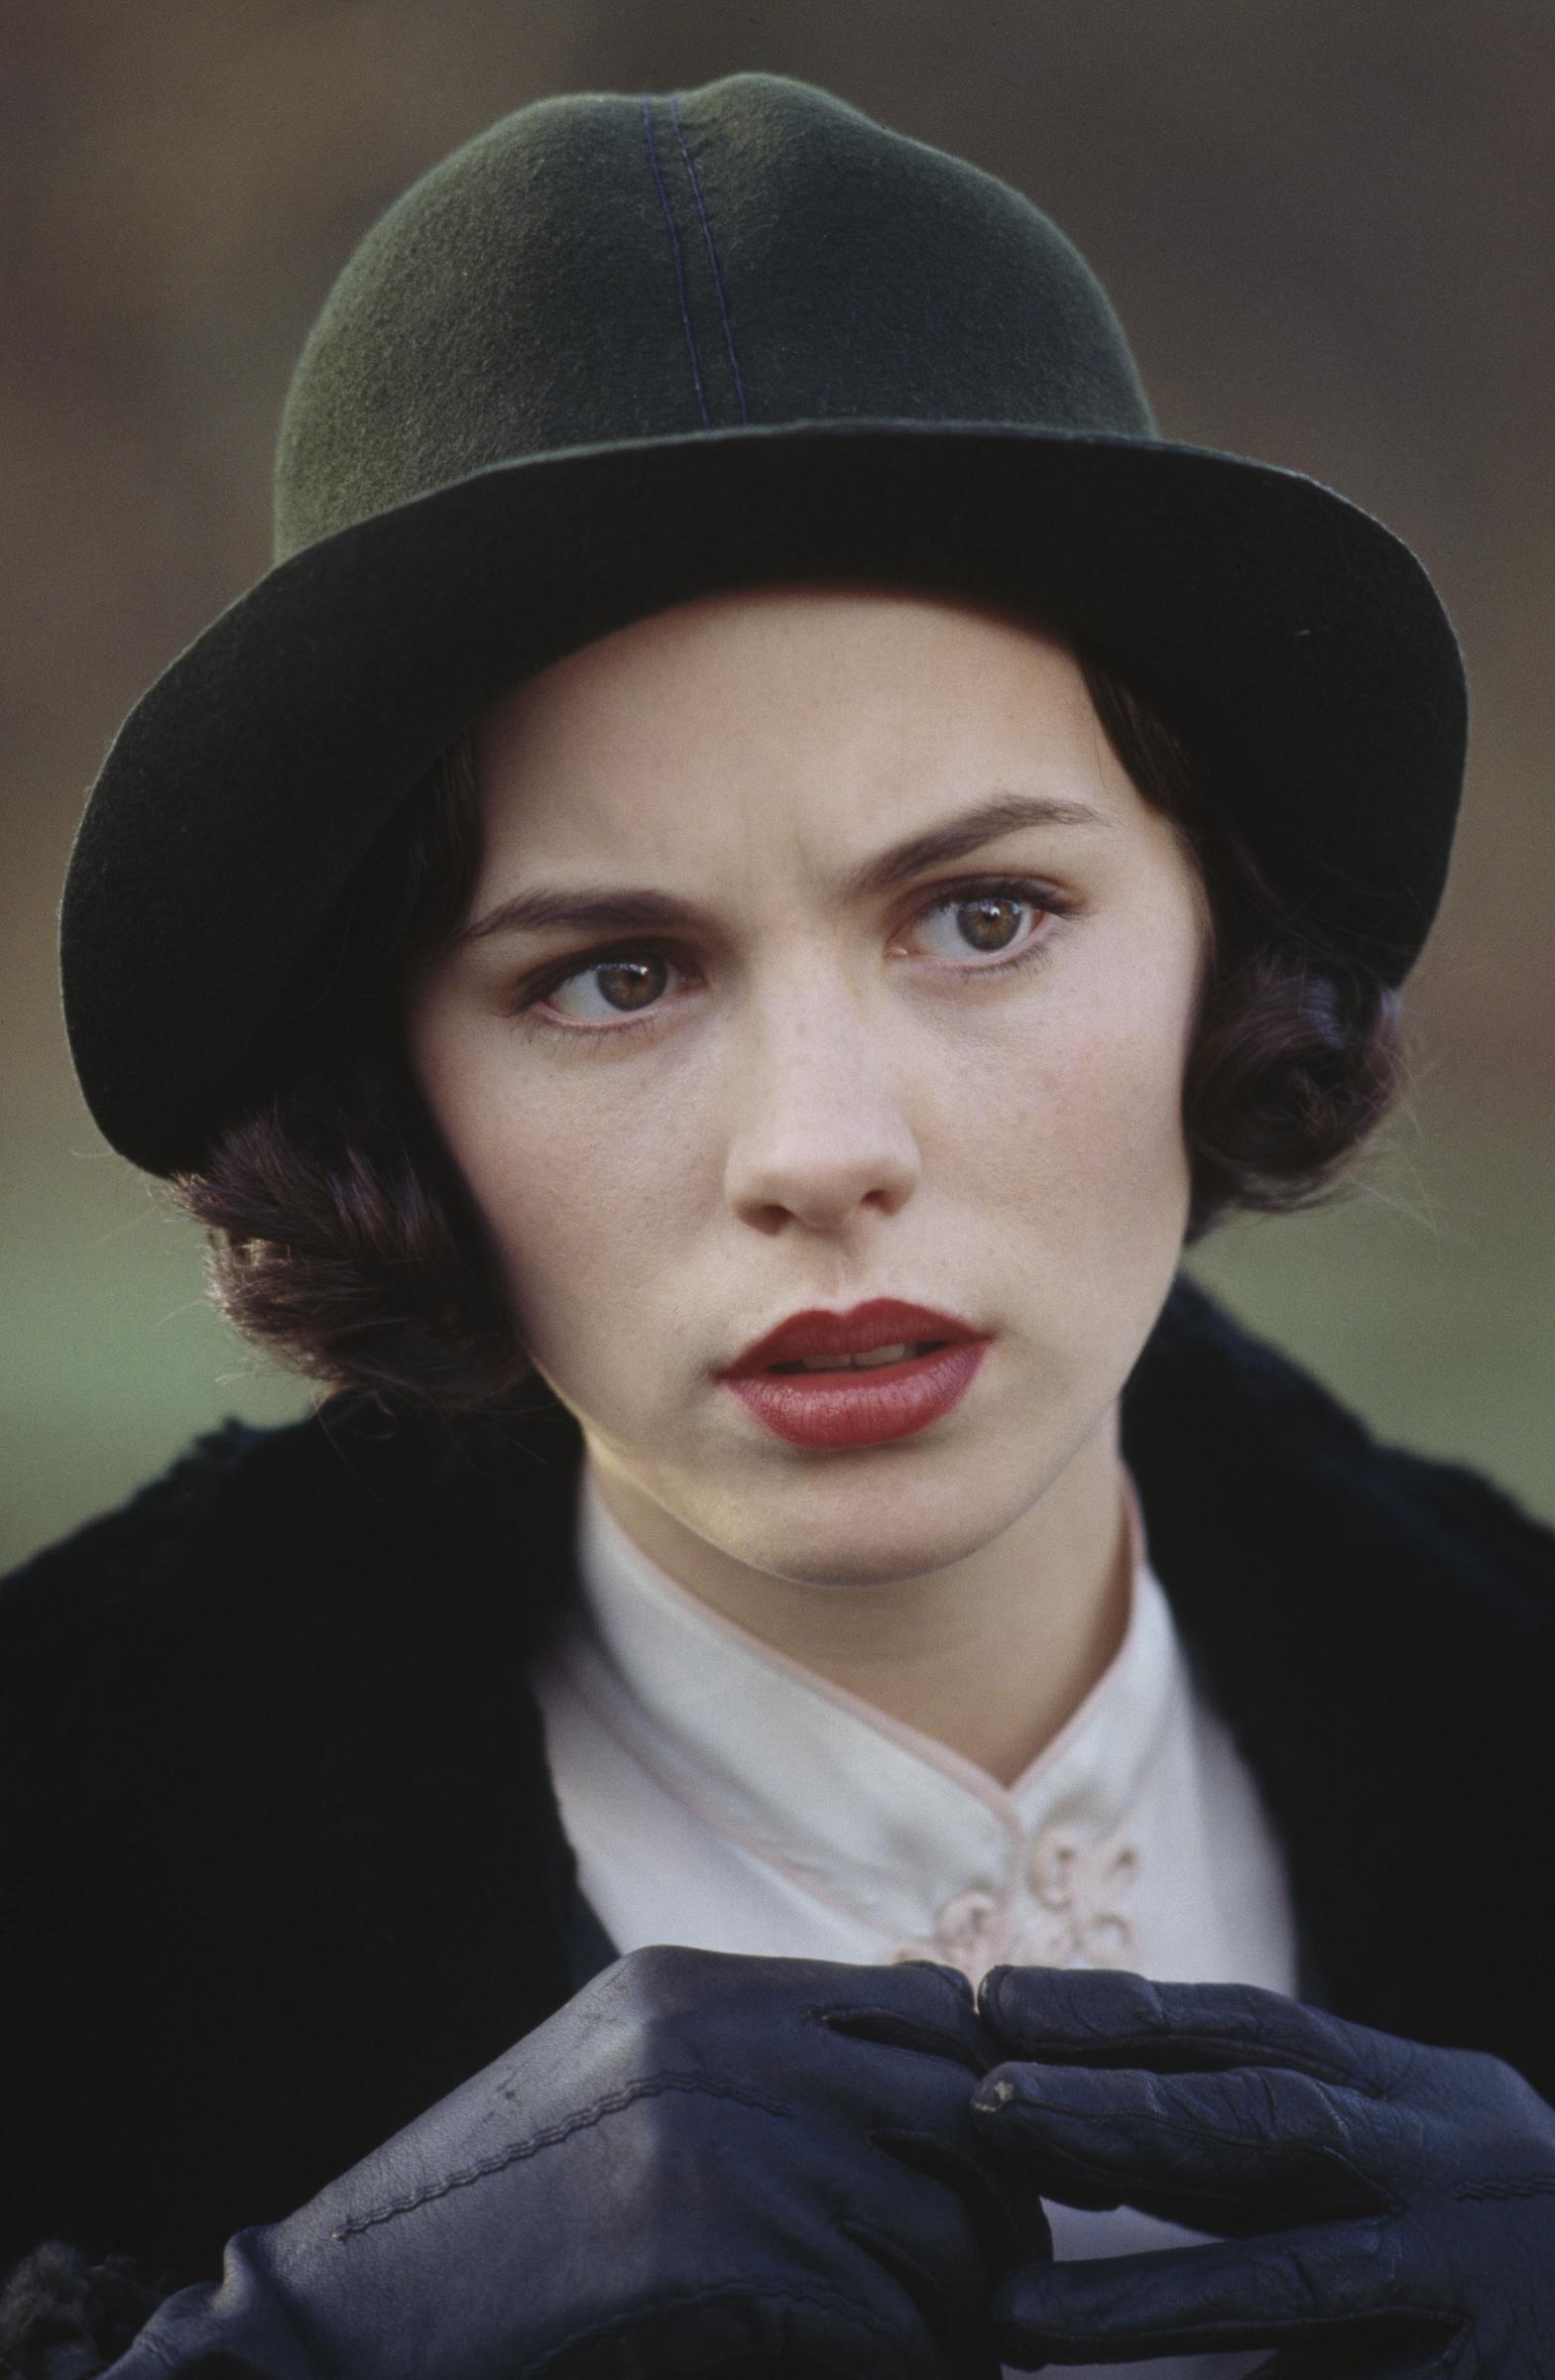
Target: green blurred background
1329,226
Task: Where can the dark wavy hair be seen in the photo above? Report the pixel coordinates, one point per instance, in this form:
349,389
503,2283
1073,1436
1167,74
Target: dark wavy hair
343,1239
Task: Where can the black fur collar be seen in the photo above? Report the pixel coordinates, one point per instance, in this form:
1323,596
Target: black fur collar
1379,1629
289,1865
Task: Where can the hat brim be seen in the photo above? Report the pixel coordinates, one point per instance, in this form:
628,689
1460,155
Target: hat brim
1296,641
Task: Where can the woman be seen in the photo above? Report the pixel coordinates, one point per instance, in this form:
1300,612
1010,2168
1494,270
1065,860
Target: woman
766,857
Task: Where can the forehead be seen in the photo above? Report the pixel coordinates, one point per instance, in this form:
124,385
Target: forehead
843,706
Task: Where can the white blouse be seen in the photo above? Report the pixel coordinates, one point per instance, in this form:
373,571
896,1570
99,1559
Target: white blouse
720,1795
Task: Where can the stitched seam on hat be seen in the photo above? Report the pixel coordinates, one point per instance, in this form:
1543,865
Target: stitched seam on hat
680,260
712,253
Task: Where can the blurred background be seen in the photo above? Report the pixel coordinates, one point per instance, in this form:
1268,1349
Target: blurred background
1330,231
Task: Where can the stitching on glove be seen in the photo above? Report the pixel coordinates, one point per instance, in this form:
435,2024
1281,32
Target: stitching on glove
581,2122
1531,2186
1298,2327
897,2031
825,2300
1105,2172
1144,2048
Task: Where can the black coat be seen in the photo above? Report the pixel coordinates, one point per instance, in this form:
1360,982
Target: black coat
281,1861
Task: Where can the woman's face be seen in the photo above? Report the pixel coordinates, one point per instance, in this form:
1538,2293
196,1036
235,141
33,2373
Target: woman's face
954,1082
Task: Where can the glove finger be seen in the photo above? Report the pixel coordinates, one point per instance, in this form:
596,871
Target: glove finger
731,2332
1110,2017
1002,2204
1238,2152
960,2324
1332,2286
917,2005
912,2236
1421,2361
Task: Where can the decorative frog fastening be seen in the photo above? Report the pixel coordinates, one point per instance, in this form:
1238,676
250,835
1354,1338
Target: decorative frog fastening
1074,1914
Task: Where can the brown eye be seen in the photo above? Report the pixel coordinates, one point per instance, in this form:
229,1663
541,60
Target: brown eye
991,919
611,986
631,982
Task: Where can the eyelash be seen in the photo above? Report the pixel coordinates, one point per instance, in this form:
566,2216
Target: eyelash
524,1005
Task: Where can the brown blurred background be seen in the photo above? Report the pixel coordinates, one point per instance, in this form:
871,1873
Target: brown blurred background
1329,226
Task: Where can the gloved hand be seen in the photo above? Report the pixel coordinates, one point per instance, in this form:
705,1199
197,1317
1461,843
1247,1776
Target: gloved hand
702,2164
1398,2200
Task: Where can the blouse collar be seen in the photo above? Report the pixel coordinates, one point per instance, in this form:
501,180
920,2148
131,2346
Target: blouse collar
861,1808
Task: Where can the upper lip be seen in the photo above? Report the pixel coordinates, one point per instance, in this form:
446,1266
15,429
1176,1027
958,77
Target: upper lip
881,1322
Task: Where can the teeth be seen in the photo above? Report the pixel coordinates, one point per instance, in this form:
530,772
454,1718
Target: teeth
877,1355
884,1355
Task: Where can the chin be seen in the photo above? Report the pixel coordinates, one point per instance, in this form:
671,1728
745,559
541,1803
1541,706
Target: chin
857,1569
876,1536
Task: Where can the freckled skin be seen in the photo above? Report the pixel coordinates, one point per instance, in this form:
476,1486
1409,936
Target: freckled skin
834,1103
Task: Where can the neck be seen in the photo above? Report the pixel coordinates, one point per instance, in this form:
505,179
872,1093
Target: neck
989,1655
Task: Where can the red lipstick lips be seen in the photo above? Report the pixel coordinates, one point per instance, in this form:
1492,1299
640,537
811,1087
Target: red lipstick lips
863,1406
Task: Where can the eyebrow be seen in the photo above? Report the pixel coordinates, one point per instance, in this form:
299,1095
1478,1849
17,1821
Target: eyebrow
601,909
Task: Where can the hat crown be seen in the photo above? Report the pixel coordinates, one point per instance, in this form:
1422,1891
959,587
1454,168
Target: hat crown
619,353
597,268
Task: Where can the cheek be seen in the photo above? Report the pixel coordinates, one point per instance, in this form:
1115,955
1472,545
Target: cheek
574,1193
1080,1124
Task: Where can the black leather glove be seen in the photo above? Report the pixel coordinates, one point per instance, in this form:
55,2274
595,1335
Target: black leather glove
1396,2204
704,2164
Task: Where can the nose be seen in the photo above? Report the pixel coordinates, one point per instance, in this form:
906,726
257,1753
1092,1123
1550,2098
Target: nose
820,1131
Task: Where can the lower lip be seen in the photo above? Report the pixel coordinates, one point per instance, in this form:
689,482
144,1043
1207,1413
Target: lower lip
861,1408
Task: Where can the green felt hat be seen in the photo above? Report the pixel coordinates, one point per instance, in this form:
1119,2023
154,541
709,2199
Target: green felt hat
617,352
